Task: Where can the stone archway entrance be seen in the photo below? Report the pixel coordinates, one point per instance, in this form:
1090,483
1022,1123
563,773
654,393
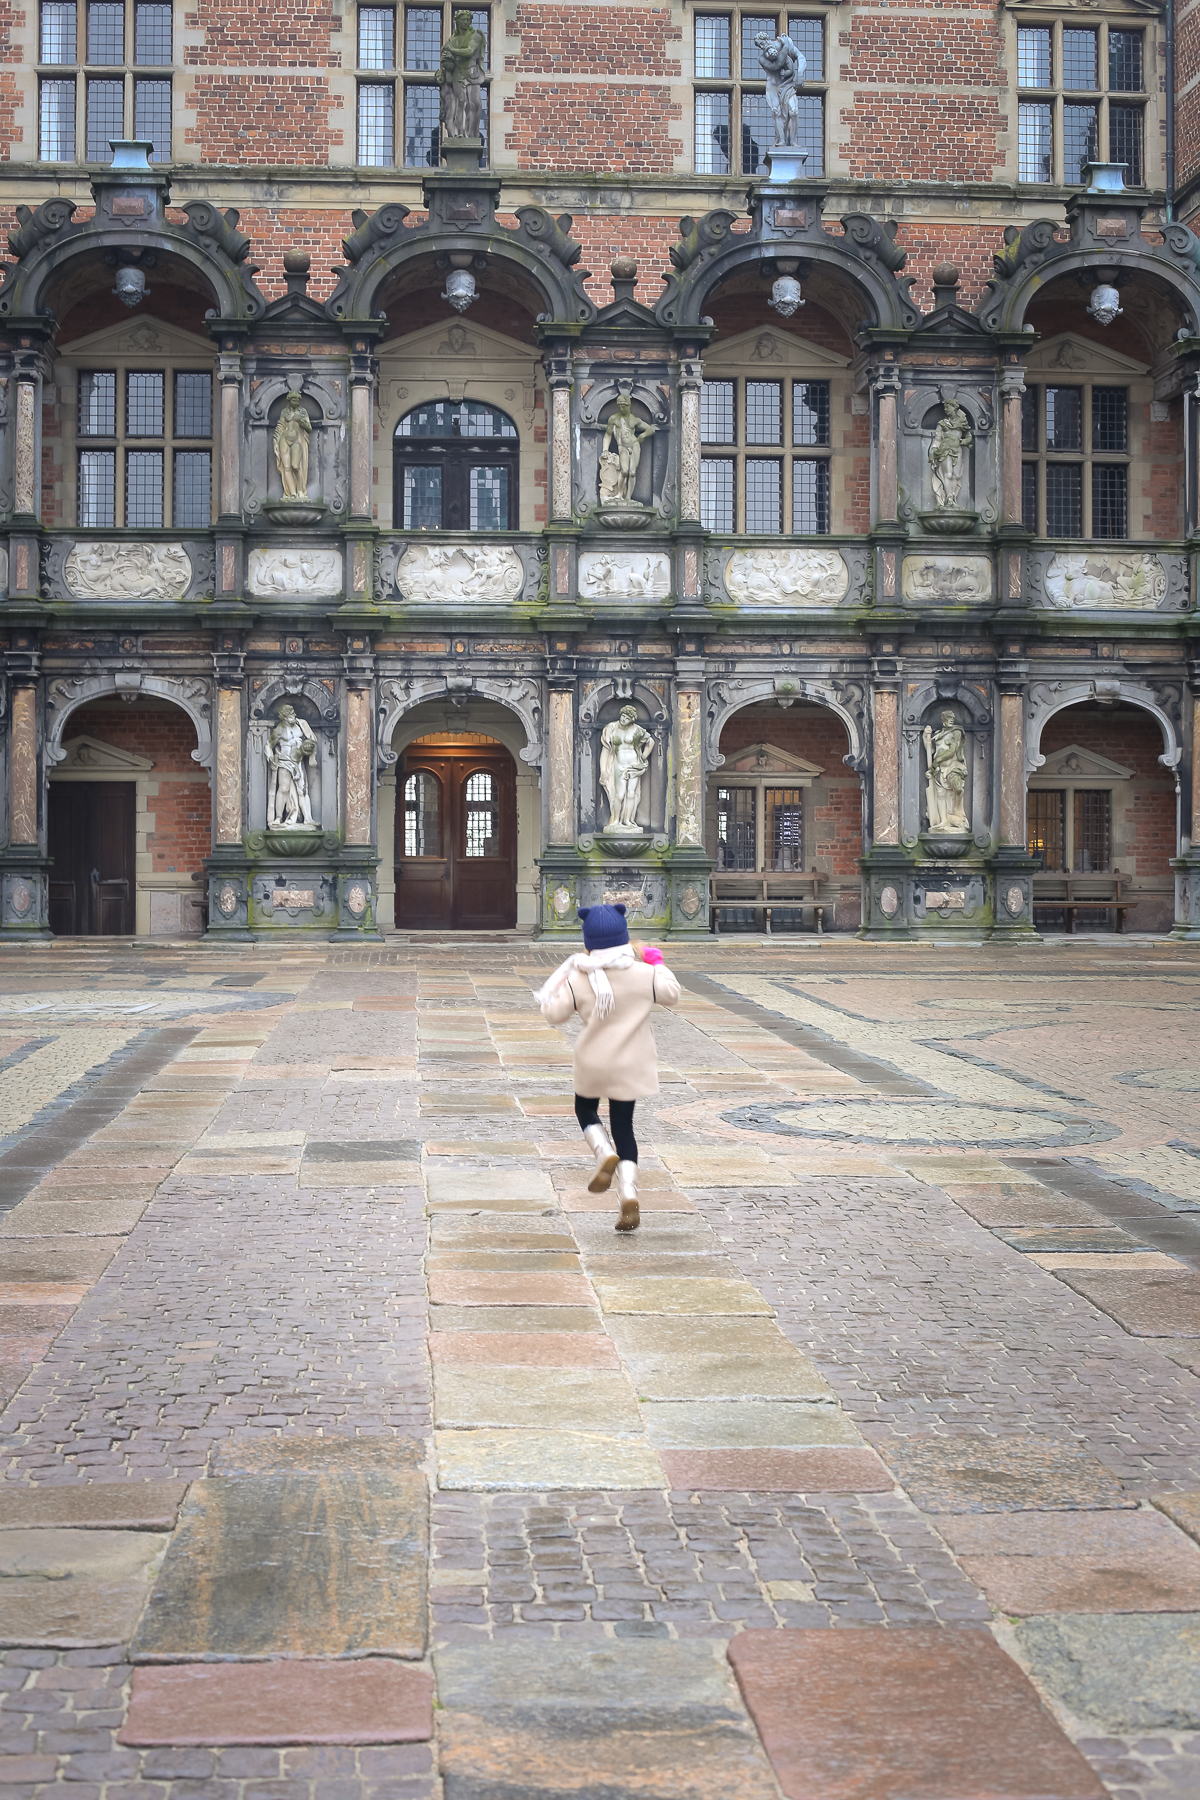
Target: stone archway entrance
456,834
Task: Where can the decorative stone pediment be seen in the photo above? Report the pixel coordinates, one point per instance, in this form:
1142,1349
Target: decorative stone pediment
768,760
457,360
1068,355
95,757
1078,767
140,337
774,351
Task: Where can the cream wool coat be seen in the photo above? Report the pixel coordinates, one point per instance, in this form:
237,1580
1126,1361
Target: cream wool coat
615,1057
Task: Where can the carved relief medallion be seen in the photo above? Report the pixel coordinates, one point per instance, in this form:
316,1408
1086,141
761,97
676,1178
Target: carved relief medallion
690,902
560,900
21,898
1014,901
624,575
356,899
889,901
787,577
300,571
962,580
227,899
128,572
441,574
1132,583
292,898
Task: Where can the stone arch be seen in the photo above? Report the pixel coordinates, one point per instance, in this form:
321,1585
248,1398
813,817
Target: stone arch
521,696
1044,699
846,699
192,693
1034,257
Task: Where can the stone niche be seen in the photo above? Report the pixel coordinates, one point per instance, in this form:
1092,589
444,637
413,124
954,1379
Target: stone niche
594,805
654,482
323,395
322,721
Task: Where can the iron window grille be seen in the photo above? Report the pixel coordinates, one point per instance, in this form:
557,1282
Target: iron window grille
456,468
732,126
1082,97
774,477
94,86
144,448
760,828
1075,468
399,102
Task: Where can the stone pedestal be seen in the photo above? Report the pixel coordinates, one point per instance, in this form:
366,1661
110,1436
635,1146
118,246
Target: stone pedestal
664,888
1187,896
266,890
908,894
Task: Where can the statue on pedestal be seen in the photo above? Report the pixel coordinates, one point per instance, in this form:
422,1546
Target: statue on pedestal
947,454
290,445
460,75
946,775
784,68
289,746
621,452
625,751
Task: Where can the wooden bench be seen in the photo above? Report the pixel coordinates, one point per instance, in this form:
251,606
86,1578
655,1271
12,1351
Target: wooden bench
1073,894
765,893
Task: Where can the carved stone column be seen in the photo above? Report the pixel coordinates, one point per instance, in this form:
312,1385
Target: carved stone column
887,386
689,768
691,376
885,768
358,765
230,739
362,426
1012,769
559,376
561,763
1011,389
23,768
25,482
229,377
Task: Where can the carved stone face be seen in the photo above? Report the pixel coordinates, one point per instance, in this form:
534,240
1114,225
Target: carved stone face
1104,304
948,719
629,715
286,714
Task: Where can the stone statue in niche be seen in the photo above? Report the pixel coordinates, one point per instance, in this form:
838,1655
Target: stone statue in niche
948,450
624,435
784,68
946,775
289,748
460,73
290,445
625,751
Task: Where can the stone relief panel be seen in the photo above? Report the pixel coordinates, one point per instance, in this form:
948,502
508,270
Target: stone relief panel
106,571
787,577
450,574
1109,581
298,571
624,575
959,580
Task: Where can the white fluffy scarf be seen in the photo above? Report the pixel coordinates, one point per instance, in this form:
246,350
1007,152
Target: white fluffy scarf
593,966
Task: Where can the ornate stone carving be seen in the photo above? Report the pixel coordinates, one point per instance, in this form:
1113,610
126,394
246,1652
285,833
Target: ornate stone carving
227,899
1014,901
560,900
625,751
440,574
3,569
356,899
459,75
787,577
128,572
946,775
783,66
289,747
962,580
290,447
621,452
889,902
294,572
690,902
948,449
1112,580
624,575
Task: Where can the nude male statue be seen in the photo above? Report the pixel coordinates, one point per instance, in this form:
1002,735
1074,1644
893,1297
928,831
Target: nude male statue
626,434
784,68
289,746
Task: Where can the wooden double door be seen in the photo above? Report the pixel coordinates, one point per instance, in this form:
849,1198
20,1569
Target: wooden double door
91,841
456,839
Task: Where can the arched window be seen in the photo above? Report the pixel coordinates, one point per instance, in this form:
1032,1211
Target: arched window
482,815
456,468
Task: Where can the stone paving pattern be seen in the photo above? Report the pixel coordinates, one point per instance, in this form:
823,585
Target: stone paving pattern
908,1338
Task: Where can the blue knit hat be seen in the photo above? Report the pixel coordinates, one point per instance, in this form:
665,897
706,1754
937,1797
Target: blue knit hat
604,927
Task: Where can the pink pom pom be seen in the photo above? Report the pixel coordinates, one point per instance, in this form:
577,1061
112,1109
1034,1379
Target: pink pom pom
651,955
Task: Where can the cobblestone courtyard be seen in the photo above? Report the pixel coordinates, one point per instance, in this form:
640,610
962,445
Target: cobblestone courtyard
350,1455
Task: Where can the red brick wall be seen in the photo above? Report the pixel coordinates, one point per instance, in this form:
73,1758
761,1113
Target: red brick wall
182,810
12,19
558,121
265,119
1187,89
832,806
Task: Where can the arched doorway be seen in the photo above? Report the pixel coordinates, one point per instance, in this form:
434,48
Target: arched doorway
456,833
128,823
784,806
1101,820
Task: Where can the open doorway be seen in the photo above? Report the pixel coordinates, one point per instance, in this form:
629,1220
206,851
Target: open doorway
456,835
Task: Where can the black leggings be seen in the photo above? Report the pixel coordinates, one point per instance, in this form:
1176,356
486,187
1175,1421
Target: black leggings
620,1123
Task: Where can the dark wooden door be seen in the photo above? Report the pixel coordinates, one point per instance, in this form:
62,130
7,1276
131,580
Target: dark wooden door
456,840
91,840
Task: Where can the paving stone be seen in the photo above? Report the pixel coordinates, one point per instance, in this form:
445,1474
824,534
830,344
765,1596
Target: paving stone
1116,1562
658,1264
976,1474
63,1218
1119,1672
70,1615
298,1564
751,1425
658,1721
307,1454
680,1296
655,1201
372,1701
366,1150
715,1334
60,1552
491,1461
72,1259
87,1505
1132,1259
665,1233
522,1350
651,1180
1038,1239
747,1166
712,1376
903,1714
524,1262
1184,1509
1148,1305
817,1471
490,1319
461,1287
493,1190
593,1400
488,1231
